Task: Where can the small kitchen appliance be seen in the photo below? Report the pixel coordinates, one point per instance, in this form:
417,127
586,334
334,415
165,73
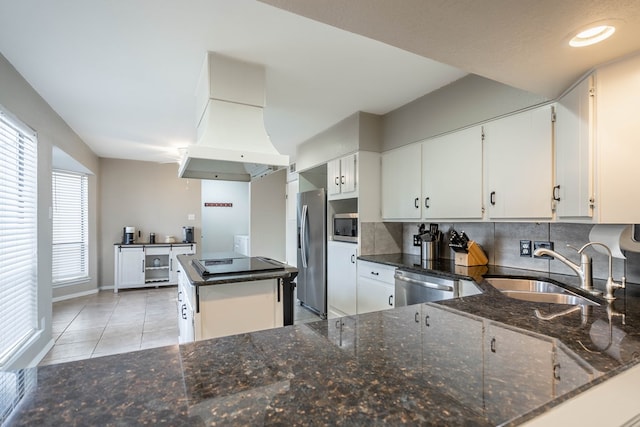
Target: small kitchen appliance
345,227
187,234
128,235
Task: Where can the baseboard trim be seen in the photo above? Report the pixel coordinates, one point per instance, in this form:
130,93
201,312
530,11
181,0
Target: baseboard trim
75,295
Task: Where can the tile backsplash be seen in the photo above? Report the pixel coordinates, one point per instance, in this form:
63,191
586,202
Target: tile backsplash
501,243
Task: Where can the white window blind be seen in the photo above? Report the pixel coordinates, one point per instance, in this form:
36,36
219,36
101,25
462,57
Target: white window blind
18,235
70,227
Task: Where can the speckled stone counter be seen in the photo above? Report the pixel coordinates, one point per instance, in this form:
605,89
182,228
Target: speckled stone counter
479,360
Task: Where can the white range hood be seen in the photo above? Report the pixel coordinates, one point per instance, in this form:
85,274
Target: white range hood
232,143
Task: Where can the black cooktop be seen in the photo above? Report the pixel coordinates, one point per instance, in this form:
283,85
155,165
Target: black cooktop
231,266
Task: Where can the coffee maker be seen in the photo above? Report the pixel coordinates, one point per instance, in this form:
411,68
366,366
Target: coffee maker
128,235
187,234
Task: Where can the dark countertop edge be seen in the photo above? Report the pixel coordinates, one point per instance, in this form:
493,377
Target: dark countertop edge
196,280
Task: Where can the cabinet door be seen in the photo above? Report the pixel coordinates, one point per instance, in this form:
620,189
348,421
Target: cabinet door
518,370
518,165
401,182
333,178
373,295
573,192
131,267
618,128
452,175
445,352
341,278
348,175
174,265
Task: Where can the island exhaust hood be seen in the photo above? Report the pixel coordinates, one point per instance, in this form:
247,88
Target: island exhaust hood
232,143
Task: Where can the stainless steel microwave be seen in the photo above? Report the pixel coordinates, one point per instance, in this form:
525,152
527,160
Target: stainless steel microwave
345,227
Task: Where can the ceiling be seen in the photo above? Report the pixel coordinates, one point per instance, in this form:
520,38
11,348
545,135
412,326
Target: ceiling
123,73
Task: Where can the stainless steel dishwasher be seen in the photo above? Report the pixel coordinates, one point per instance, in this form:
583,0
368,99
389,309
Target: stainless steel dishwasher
414,288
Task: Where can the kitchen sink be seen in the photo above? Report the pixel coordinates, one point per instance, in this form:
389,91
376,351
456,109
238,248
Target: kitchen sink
533,290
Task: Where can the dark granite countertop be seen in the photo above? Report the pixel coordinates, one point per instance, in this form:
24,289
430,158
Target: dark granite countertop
479,360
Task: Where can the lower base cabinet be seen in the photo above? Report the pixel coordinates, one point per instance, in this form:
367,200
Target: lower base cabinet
376,287
341,279
139,266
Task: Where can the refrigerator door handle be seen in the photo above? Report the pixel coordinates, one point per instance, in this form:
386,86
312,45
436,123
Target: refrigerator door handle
303,236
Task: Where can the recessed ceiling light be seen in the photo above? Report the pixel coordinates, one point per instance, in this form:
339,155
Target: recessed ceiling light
592,35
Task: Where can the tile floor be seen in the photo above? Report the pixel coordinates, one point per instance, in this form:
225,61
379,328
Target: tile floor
108,323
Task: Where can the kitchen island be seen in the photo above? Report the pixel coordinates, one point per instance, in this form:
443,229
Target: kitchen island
479,360
226,293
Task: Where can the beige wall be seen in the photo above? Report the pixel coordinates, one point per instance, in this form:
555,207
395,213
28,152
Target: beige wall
19,98
268,216
148,196
472,99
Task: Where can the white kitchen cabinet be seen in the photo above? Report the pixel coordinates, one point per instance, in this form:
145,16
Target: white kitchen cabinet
341,278
376,287
186,306
174,265
129,267
342,176
573,192
137,266
518,163
617,134
444,352
401,183
518,370
452,175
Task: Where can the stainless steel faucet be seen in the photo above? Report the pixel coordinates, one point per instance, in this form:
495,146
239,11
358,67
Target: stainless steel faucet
584,270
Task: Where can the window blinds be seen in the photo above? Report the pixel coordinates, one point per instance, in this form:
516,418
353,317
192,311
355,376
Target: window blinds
18,235
70,227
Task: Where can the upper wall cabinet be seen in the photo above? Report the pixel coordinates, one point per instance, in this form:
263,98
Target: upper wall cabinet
518,165
452,175
574,191
401,183
342,177
618,142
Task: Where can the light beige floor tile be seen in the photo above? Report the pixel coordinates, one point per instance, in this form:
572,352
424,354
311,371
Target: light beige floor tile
158,339
85,324
77,349
80,335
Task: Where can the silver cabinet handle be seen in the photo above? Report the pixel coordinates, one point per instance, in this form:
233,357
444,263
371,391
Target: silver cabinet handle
353,259
143,266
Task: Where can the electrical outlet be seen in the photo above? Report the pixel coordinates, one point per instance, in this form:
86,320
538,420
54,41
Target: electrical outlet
525,248
417,240
548,245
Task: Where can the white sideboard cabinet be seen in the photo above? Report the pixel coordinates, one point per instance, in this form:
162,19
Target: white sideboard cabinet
138,266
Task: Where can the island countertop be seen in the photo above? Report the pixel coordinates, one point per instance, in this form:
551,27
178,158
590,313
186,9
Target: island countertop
381,367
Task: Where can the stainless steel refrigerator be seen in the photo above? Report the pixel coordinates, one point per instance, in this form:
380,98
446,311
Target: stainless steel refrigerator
312,250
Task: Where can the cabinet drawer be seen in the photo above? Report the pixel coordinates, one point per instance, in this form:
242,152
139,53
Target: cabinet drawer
380,272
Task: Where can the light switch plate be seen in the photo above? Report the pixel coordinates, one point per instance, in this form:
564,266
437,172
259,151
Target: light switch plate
191,217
